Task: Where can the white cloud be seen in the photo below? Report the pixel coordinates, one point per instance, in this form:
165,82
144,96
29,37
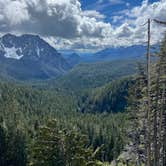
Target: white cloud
65,25
15,12
62,18
139,15
93,14
116,19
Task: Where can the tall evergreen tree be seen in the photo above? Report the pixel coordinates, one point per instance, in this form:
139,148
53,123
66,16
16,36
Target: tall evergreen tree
57,147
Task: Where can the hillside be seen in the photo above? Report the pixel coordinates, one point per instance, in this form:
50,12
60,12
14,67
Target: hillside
24,109
73,59
28,57
85,76
26,101
109,98
82,83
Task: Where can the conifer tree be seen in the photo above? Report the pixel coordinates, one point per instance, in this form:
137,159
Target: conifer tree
57,147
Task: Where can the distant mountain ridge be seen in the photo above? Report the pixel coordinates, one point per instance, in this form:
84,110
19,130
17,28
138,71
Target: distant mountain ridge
73,58
135,51
30,57
111,54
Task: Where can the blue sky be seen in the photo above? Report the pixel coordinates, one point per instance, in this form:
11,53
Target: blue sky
111,8
84,25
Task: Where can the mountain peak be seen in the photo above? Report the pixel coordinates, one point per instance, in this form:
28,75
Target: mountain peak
8,35
31,37
73,58
32,57
26,46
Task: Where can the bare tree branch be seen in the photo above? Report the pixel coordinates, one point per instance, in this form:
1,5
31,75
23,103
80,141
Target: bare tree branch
159,22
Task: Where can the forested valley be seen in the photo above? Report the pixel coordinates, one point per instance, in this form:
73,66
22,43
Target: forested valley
47,124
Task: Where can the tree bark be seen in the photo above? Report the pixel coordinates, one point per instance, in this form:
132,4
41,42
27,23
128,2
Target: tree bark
148,141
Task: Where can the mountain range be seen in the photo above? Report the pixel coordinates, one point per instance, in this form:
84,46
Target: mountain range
109,54
29,57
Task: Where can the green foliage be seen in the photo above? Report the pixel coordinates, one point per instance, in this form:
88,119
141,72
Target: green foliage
3,145
55,147
146,108
92,75
109,98
26,109
22,106
12,147
103,130
78,137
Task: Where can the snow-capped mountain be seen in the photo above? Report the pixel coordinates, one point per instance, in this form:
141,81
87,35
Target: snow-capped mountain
29,57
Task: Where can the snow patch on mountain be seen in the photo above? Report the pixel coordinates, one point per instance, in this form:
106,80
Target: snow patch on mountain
38,51
12,53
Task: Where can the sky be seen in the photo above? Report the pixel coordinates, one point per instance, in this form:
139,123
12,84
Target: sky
84,25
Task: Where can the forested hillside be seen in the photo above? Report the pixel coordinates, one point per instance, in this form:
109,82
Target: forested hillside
109,98
82,83
42,125
92,75
24,110
146,108
107,124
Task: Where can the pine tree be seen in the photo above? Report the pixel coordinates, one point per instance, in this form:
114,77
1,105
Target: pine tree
60,147
3,145
162,106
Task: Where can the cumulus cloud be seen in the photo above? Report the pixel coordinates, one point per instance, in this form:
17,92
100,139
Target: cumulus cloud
62,18
131,31
93,14
65,25
139,15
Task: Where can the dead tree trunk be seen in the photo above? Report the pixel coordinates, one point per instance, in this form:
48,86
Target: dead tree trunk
148,138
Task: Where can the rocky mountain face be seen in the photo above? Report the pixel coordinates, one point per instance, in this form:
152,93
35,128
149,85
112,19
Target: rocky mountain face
29,57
